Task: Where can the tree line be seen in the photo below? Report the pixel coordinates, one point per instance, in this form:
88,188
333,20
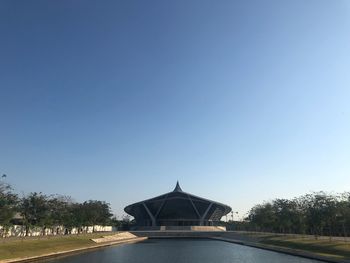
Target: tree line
38,210
316,214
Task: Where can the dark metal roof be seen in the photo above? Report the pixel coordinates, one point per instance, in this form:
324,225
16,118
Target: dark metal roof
177,187
178,192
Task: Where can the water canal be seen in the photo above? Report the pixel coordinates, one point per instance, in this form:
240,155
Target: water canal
181,251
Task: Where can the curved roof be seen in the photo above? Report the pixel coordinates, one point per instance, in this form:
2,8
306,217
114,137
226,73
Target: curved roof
178,205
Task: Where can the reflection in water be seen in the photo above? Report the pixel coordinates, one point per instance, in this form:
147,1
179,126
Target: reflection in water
181,250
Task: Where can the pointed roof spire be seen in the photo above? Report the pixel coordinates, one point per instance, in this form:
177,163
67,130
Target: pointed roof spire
177,187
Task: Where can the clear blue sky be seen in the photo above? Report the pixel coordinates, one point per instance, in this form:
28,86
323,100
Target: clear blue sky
241,101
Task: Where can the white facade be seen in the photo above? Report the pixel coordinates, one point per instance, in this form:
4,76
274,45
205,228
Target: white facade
20,231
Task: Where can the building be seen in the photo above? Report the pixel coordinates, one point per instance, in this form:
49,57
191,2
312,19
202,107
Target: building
177,208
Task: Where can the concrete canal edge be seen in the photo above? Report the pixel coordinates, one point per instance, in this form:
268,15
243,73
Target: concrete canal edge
73,251
288,251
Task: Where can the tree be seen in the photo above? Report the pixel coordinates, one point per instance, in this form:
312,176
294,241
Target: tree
60,208
95,213
284,211
319,209
8,206
317,213
343,214
77,217
263,216
35,211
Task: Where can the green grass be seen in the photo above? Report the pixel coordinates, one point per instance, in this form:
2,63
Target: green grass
35,247
335,249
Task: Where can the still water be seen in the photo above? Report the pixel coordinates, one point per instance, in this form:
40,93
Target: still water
181,251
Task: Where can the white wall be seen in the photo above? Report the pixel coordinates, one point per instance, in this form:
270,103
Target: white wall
19,231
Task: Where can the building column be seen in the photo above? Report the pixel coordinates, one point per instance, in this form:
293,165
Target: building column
150,214
205,214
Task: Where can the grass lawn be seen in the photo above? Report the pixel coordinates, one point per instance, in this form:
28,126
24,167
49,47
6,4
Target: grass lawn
35,247
335,249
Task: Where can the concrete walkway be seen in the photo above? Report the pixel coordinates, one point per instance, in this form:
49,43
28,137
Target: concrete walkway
121,236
